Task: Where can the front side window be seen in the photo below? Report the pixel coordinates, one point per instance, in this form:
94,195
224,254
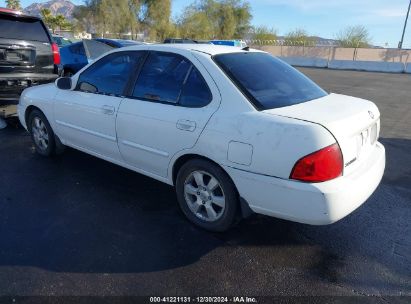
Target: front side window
171,78
110,74
267,81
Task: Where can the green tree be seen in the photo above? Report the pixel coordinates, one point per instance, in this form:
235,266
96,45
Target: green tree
157,18
54,22
227,22
263,33
112,18
48,18
223,19
242,15
134,8
122,18
194,24
204,19
299,37
62,23
354,37
13,4
84,19
229,18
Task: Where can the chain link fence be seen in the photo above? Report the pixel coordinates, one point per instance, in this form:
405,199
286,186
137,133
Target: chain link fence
301,54
319,43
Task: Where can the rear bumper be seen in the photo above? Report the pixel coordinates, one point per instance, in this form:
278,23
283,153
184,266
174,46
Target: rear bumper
315,204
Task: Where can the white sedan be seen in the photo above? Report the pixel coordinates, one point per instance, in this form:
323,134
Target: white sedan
234,130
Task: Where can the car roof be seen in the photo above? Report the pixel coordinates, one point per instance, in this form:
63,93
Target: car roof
210,49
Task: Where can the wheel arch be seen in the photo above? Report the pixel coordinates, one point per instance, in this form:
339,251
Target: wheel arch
182,159
244,208
27,113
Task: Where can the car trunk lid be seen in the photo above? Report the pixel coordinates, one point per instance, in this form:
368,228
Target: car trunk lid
354,123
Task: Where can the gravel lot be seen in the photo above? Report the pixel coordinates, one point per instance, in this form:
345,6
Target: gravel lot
77,225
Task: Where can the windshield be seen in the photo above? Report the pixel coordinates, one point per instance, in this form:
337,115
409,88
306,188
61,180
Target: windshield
267,81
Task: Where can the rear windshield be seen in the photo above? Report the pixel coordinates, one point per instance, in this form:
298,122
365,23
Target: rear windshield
22,29
267,81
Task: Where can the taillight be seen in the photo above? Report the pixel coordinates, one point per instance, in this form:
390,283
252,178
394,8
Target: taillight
56,53
320,166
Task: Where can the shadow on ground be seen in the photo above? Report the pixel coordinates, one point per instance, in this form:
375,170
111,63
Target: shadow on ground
78,214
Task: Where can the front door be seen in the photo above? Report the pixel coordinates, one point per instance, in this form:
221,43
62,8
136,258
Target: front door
86,116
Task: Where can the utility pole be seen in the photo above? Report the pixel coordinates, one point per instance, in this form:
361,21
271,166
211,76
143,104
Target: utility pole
405,26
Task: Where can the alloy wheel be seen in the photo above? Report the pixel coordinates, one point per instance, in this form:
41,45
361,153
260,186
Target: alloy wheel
204,196
40,134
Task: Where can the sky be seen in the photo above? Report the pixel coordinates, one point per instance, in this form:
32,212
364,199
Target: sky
384,19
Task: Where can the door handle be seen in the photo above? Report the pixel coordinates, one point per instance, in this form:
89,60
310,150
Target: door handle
186,125
108,110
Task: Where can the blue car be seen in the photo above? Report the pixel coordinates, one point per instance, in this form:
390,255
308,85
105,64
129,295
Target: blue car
74,56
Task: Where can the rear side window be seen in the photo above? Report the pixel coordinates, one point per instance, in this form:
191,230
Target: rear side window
171,78
23,29
195,92
110,74
267,81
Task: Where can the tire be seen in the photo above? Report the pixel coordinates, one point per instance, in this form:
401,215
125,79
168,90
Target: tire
42,134
206,195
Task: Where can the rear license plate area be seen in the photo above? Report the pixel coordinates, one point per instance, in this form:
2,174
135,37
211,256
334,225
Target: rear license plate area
10,56
367,139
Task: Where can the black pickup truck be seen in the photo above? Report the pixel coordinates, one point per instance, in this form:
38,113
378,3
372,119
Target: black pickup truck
28,57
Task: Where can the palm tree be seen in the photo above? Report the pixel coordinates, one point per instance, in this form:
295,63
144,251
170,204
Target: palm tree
13,4
48,18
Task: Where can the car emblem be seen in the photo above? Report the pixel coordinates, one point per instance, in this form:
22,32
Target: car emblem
371,114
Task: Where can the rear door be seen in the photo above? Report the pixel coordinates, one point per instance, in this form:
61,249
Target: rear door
85,117
165,112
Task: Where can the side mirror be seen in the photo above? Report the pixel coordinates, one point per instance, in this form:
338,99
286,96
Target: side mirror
63,83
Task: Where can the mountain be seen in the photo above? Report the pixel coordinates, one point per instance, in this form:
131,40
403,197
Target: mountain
64,7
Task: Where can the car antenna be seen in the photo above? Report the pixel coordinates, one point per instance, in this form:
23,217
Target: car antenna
247,48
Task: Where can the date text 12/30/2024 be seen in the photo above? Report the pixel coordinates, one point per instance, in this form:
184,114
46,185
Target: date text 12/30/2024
203,300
